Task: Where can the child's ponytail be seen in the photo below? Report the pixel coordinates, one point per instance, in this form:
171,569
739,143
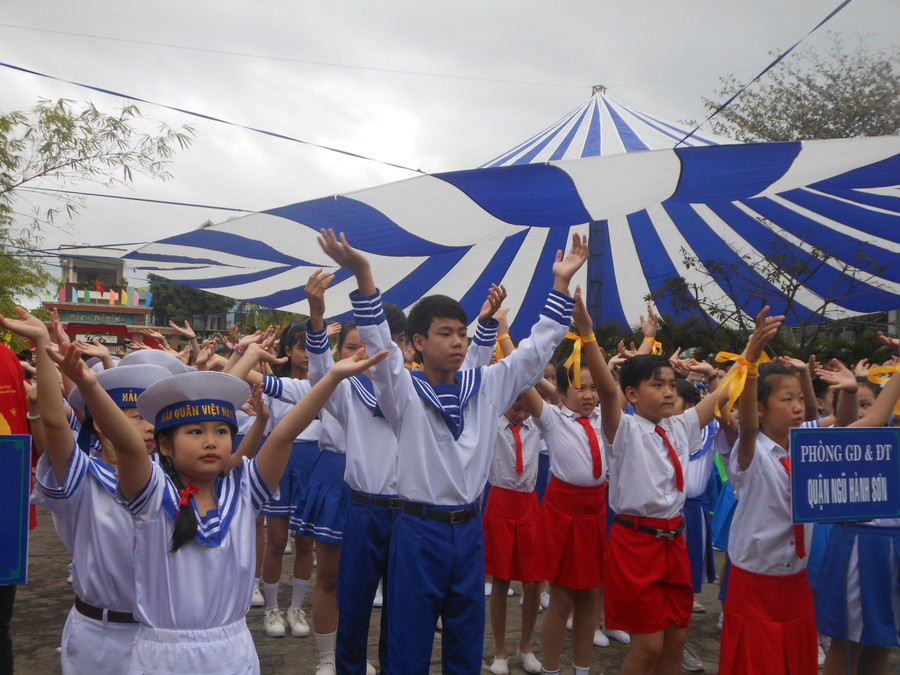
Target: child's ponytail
186,518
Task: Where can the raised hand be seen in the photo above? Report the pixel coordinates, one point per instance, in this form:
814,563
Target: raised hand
357,363
27,325
581,316
766,328
564,268
495,298
650,325
338,249
186,332
68,358
315,294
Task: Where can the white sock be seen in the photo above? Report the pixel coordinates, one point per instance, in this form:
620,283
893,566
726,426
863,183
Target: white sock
298,593
582,671
256,582
551,672
270,591
325,645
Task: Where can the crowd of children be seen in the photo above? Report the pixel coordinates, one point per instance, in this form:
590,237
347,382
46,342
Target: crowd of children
413,481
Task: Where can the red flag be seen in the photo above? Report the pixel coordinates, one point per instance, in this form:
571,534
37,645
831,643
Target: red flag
99,286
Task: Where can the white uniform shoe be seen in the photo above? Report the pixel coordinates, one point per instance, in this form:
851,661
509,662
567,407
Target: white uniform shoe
257,599
274,623
297,621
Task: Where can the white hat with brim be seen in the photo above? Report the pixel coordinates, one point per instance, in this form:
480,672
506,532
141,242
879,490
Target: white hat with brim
193,397
124,385
95,363
156,357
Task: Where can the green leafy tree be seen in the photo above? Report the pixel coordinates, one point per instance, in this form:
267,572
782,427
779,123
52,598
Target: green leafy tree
175,301
49,150
841,93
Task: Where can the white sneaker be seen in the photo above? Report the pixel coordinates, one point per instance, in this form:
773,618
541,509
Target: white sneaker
600,639
510,592
326,668
370,669
378,601
545,600
488,587
257,599
288,547
617,635
569,623
530,662
297,621
274,623
698,608
439,626
721,617
821,657
499,667
690,661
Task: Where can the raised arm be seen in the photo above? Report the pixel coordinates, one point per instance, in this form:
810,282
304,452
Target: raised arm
748,410
273,456
806,385
251,440
841,379
49,397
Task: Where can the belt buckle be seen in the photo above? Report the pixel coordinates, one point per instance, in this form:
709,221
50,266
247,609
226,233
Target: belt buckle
458,516
665,534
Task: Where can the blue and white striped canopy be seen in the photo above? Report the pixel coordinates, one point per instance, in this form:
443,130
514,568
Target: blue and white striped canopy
603,169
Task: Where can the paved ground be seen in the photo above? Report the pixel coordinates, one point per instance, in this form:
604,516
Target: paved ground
42,605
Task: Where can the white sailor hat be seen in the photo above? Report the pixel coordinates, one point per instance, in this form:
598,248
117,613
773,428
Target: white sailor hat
95,363
156,357
193,397
124,385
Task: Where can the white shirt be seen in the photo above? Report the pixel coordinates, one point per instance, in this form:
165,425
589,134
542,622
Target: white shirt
570,451
437,465
281,395
762,535
503,466
641,473
93,527
201,585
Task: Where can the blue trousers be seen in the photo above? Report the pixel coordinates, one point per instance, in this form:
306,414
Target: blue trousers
436,570
364,562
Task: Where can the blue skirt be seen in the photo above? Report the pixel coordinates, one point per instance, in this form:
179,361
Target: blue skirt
327,501
294,481
722,516
872,589
698,537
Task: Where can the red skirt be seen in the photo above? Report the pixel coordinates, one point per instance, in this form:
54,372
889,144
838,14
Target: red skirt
648,579
769,625
510,535
573,534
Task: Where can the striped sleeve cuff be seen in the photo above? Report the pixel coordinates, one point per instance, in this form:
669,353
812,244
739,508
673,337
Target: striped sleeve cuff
78,467
559,307
317,340
259,491
367,309
138,503
272,386
485,333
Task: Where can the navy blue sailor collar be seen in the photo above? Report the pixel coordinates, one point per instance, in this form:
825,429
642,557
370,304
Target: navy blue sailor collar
465,382
365,392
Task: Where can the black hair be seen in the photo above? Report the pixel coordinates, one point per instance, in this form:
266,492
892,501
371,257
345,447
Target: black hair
687,392
820,387
186,518
769,374
395,317
293,336
641,367
865,382
841,355
562,375
429,308
345,331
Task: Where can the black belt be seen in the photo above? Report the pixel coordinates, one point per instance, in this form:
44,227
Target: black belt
655,531
377,500
454,517
97,613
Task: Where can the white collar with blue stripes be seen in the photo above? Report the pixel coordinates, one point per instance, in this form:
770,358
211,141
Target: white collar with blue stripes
467,384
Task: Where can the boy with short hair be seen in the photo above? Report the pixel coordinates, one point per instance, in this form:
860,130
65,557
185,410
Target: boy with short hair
647,573
445,421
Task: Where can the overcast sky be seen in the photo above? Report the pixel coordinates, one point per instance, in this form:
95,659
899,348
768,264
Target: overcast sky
432,85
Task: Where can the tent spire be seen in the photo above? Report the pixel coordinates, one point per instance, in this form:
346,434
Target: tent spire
598,89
